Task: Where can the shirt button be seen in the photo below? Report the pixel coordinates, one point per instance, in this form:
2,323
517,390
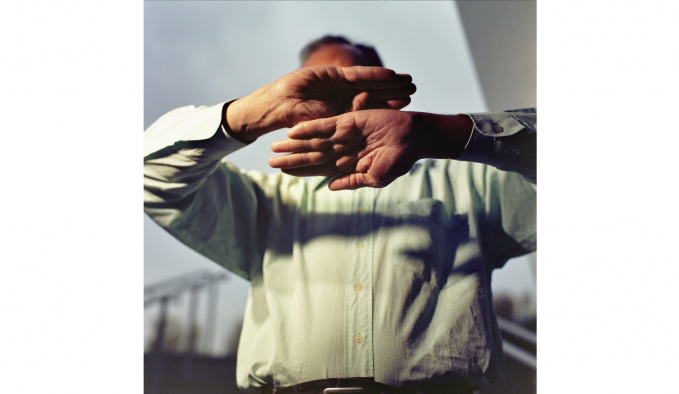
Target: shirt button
358,287
497,128
358,338
360,245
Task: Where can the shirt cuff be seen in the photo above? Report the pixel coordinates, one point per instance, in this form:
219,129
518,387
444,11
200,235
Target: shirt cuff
179,128
504,140
503,124
497,125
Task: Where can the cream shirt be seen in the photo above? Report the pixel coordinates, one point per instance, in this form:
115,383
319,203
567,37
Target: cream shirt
389,283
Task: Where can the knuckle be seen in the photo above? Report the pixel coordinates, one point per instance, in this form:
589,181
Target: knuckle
307,159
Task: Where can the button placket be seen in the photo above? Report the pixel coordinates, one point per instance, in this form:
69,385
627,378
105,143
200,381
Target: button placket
358,327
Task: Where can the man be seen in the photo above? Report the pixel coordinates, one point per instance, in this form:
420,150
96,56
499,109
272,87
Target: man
388,285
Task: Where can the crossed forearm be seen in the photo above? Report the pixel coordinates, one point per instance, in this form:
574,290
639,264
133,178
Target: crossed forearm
312,93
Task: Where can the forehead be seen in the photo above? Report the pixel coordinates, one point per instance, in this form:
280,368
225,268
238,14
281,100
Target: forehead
332,55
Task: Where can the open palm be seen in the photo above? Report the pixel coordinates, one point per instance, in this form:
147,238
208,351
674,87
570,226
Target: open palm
363,148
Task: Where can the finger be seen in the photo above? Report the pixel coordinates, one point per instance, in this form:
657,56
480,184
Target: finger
360,100
375,80
383,99
390,93
346,164
303,145
313,128
364,163
295,160
351,182
389,104
327,169
360,74
399,103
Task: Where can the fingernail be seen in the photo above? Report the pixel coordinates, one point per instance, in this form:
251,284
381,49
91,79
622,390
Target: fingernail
294,130
274,161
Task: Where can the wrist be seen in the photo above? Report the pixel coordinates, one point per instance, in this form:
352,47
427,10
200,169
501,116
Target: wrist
252,116
443,136
235,121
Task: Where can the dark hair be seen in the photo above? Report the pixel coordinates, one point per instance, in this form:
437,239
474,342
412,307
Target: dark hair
369,56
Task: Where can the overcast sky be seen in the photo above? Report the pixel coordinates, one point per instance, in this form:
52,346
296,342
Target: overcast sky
204,53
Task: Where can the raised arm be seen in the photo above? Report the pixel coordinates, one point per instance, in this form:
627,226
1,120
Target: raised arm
212,206
316,92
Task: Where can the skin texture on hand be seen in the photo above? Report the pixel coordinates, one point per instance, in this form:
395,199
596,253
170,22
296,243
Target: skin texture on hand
316,92
369,148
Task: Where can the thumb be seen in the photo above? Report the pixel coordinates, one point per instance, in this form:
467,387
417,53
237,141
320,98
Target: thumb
359,102
364,164
349,182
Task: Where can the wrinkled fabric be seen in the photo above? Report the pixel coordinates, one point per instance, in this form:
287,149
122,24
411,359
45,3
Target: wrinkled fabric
389,283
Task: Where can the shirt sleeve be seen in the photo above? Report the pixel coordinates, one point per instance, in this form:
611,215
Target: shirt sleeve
201,199
505,140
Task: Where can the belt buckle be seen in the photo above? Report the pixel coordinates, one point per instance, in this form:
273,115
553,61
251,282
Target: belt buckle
342,390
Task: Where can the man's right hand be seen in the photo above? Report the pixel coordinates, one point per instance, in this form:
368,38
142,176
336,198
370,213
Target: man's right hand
369,148
316,92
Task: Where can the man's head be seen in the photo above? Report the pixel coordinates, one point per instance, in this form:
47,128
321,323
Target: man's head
338,51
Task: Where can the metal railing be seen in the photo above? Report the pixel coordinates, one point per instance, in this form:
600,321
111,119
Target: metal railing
519,343
164,292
